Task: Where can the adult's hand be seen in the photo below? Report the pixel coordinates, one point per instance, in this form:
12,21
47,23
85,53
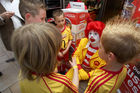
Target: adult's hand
7,15
87,69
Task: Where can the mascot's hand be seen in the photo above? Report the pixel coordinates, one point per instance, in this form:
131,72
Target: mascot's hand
87,69
83,75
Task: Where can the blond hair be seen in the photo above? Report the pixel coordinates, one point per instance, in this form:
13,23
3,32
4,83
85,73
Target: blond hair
36,47
31,6
122,38
57,13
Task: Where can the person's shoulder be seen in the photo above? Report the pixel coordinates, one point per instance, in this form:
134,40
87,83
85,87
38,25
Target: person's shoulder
67,28
64,80
60,76
84,40
124,69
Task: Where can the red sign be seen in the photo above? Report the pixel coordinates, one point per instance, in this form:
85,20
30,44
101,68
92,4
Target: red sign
136,14
131,83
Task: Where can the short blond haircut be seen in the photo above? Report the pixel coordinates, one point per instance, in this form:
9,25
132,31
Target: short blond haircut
57,13
31,6
122,38
36,47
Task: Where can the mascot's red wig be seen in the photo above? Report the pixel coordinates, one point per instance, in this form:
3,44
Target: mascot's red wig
97,26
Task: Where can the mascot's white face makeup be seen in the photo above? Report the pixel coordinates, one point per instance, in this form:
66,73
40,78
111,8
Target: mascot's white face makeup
93,37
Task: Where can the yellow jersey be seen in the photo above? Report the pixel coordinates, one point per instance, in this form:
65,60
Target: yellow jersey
52,83
103,81
66,37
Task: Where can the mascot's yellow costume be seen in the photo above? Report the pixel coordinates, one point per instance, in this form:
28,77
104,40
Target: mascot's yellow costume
87,52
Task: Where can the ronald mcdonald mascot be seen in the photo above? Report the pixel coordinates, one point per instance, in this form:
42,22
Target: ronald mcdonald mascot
87,51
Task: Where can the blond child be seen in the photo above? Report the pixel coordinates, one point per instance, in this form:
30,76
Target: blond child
38,60
32,11
59,19
119,44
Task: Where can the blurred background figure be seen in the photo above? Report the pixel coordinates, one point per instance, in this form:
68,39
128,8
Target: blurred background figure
10,19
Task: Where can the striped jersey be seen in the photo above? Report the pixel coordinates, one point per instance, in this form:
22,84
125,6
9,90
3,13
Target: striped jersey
53,83
90,51
66,37
103,81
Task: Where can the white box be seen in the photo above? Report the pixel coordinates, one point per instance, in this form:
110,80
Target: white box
77,18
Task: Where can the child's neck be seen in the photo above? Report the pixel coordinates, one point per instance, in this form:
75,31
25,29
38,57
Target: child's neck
113,66
61,28
26,22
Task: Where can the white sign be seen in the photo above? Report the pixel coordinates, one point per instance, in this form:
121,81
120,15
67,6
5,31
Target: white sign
77,5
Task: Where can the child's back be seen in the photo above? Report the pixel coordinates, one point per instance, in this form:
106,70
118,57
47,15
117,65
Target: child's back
36,48
52,83
104,81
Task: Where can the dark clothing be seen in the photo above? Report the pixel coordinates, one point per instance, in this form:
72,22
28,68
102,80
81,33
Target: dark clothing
6,30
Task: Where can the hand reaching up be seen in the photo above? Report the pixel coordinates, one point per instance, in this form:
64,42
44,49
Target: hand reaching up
75,79
73,62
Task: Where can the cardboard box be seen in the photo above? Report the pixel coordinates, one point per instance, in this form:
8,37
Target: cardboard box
77,19
78,36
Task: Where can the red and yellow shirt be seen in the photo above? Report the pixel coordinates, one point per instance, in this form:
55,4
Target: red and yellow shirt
95,61
103,81
66,37
53,83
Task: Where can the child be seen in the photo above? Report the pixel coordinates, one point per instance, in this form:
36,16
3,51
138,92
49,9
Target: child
87,51
38,60
59,19
119,44
32,11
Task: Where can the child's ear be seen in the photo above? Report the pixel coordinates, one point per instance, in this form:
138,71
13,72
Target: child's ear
111,56
27,16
